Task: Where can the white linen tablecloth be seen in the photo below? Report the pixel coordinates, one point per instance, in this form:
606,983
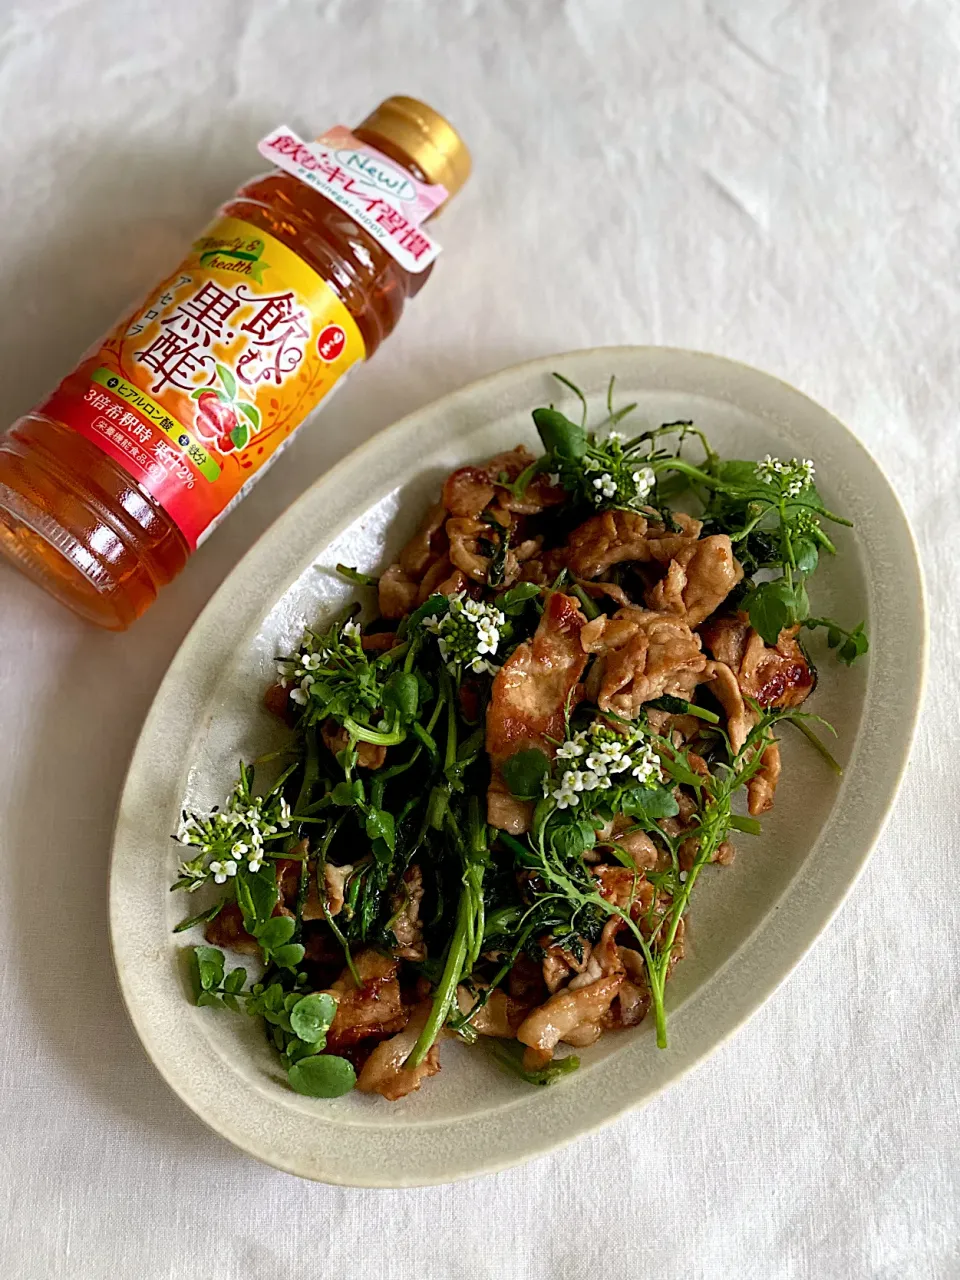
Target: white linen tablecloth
774,180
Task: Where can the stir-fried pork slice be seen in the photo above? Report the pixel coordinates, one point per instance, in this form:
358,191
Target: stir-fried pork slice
396,592
405,921
773,677
564,1012
630,839
723,684
778,677
469,540
763,784
700,576
384,1072
372,1009
605,540
336,738
426,544
644,655
441,579
500,1015
528,700
334,885
468,490
559,964
613,537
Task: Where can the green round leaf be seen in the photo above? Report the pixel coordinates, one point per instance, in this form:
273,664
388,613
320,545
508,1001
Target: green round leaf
524,772
311,1017
288,957
322,1076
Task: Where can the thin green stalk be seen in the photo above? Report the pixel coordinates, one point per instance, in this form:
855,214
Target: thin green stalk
447,988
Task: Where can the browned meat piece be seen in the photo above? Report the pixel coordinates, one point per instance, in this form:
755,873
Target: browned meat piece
558,964
384,1072
499,1016
396,593
632,840
726,638
426,544
441,579
405,921
543,569
226,930
525,983
505,811
598,589
699,578
336,738
723,684
777,677
277,701
763,784
467,491
616,536
531,692
465,535
372,1009
378,641
567,1011
644,655
607,539
623,887
334,883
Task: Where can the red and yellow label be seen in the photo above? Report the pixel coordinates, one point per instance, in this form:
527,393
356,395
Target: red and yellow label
196,393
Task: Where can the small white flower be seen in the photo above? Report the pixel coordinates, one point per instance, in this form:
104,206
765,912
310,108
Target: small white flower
572,780
299,697
284,812
617,436
606,485
570,750
254,865
565,798
472,608
351,630
590,780
311,661
230,867
239,849
432,625
221,870
644,480
683,877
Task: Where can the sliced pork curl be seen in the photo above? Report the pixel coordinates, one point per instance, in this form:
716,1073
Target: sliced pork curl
566,1012
405,921
372,1009
396,592
763,784
384,1072
426,544
528,700
773,677
613,537
642,655
499,1016
469,490
723,684
700,576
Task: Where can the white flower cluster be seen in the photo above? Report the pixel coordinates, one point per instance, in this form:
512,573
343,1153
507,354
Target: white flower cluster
468,634
233,834
299,670
597,755
793,476
618,479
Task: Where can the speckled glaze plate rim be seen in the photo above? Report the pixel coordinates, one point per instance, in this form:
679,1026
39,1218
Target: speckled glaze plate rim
326,1148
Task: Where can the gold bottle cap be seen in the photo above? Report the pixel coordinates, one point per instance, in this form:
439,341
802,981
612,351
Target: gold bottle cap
431,142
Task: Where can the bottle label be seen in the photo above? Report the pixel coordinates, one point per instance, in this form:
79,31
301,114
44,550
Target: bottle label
197,392
386,201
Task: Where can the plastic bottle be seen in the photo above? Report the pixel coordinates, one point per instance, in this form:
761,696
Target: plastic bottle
109,484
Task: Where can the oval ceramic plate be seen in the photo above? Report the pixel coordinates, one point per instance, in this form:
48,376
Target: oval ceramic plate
749,924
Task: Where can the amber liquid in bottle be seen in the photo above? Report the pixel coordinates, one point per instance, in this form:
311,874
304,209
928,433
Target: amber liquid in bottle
73,520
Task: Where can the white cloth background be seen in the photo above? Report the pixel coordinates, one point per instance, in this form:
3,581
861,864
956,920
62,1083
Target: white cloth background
773,180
